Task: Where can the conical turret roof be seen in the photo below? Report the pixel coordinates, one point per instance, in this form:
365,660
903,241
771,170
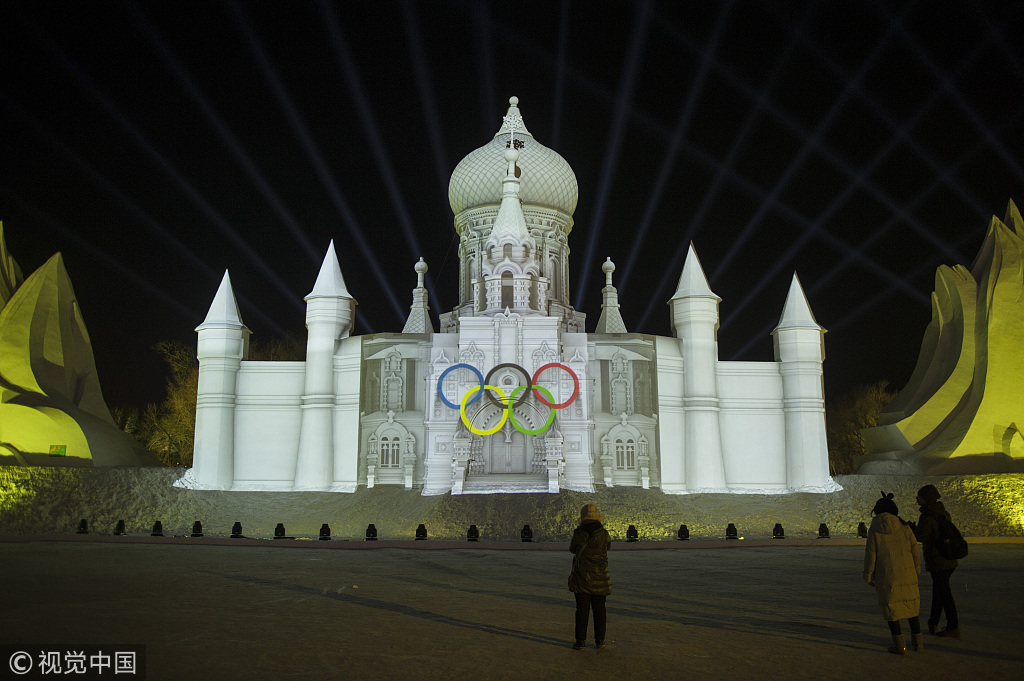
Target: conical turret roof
692,281
223,313
329,282
796,313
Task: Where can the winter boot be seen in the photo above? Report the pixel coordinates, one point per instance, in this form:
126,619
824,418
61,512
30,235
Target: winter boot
899,645
917,640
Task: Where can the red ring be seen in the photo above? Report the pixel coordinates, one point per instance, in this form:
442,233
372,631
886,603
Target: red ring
575,380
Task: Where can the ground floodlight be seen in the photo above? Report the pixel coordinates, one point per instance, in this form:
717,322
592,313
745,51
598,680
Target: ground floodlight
472,534
158,529
325,532
421,531
683,534
731,533
862,530
371,532
197,529
778,532
83,527
823,531
279,531
526,534
236,531
119,529
632,534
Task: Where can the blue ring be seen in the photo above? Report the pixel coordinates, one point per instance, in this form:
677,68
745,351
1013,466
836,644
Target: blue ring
440,383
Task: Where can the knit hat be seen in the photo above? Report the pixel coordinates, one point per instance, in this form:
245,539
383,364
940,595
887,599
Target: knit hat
589,512
928,494
886,505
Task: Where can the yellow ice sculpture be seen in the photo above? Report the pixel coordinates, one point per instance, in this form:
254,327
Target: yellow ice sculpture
51,407
961,410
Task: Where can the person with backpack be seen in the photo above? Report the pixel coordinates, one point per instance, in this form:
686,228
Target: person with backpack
589,579
937,533
891,565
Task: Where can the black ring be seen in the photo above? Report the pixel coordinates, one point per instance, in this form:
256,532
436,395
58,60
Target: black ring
527,383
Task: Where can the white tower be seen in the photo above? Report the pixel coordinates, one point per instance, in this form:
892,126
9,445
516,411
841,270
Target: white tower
329,313
800,351
223,344
419,311
695,324
611,319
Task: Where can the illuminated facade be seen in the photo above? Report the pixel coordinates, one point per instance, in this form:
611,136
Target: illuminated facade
52,411
958,412
510,393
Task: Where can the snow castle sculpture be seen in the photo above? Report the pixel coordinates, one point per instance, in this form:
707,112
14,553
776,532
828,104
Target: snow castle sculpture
511,394
959,412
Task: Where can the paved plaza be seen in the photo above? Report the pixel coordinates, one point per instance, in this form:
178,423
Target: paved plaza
313,610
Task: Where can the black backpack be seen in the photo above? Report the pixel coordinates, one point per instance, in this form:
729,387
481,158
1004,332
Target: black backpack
951,544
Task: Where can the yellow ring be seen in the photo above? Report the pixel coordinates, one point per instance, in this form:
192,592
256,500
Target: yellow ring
462,411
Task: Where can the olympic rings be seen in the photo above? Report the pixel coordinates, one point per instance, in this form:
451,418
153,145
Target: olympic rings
440,383
575,380
512,415
526,379
477,431
508,402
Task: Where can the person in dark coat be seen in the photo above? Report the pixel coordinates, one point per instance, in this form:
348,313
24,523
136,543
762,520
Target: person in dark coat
941,569
589,579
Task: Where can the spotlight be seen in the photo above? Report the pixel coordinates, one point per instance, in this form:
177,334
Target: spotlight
862,531
421,532
823,531
236,531
158,529
778,532
731,533
197,529
279,532
119,529
325,532
526,534
472,534
683,534
371,532
632,534
83,526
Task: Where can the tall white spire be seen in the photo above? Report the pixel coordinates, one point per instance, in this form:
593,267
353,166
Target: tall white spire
419,311
329,282
610,320
510,224
796,313
223,312
692,281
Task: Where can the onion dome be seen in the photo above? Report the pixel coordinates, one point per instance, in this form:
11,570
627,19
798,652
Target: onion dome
547,180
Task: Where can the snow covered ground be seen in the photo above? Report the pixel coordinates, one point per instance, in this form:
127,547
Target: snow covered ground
46,501
781,611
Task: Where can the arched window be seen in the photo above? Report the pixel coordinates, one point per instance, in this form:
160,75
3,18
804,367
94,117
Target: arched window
506,291
390,452
625,454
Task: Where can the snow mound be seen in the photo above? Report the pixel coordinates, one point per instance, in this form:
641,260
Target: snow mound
36,500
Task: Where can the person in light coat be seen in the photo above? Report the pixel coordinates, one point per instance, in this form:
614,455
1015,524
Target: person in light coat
892,563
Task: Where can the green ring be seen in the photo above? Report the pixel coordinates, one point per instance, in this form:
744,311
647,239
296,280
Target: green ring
512,415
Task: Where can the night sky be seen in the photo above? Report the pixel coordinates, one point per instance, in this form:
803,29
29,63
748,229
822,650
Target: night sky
156,144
